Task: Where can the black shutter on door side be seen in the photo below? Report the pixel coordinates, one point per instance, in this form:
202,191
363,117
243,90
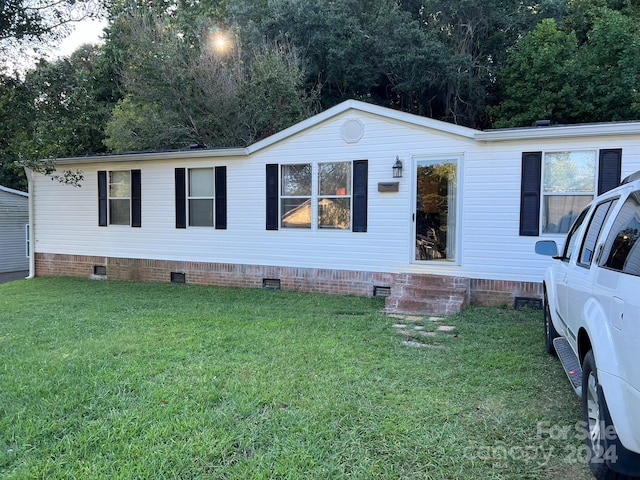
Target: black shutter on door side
609,169
272,197
530,194
360,191
136,198
221,197
181,198
102,198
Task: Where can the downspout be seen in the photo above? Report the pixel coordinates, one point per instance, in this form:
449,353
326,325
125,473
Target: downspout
32,225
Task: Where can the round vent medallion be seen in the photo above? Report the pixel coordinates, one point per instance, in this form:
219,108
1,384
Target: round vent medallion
352,130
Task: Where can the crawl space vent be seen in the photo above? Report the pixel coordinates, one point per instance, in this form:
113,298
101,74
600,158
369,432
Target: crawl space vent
273,283
178,277
527,302
381,291
100,270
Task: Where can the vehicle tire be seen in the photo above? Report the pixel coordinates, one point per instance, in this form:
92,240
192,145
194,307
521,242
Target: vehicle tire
550,332
595,423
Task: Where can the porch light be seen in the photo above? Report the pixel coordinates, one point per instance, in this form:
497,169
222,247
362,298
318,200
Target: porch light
397,168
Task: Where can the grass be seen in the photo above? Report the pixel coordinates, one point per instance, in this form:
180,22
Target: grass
109,380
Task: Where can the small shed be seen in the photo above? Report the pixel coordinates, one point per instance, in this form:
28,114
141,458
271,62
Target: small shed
14,226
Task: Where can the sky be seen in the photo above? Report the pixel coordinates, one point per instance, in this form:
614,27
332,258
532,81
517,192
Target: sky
87,31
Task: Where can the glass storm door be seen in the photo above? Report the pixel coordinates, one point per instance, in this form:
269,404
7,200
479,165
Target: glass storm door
436,209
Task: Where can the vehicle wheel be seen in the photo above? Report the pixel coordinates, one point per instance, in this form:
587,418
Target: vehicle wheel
550,332
595,424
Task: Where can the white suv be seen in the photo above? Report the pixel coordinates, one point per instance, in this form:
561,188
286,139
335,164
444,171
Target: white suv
592,322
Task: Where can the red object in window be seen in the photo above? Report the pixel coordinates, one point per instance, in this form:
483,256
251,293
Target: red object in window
341,191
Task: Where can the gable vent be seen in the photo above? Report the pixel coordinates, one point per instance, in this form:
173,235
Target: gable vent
178,277
352,130
273,283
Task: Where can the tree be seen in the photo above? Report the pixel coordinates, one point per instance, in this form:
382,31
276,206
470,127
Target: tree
541,79
610,64
72,98
181,90
35,22
15,116
59,109
436,57
551,74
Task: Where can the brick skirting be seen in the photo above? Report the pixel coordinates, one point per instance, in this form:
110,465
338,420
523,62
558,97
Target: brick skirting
343,282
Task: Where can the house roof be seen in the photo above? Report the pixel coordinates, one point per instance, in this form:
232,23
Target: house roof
15,192
496,135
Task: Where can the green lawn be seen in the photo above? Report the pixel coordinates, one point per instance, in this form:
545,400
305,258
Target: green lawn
109,380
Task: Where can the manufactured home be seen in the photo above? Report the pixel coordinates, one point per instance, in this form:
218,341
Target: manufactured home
14,220
358,199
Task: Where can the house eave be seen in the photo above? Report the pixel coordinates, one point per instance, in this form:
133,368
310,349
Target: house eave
155,156
555,132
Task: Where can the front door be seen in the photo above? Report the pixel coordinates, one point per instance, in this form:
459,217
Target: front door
436,209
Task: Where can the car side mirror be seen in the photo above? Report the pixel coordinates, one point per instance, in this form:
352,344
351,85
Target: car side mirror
547,247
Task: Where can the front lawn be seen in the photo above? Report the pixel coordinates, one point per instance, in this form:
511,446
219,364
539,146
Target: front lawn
109,380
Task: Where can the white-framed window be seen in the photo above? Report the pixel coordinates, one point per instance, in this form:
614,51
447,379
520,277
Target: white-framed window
120,197
334,195
201,197
568,184
316,195
295,195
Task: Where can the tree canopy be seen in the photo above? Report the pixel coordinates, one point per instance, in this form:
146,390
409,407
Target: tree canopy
172,73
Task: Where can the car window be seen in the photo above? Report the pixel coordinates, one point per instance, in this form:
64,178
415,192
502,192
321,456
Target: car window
599,217
570,243
622,251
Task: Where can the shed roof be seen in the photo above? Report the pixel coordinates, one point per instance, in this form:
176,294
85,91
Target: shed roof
12,191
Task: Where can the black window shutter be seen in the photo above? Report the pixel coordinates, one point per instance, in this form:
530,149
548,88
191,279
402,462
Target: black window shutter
609,169
221,197
530,194
136,198
360,190
272,197
102,198
181,198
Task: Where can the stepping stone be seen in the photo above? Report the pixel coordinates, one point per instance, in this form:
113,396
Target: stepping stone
399,325
427,334
434,319
446,328
413,344
418,327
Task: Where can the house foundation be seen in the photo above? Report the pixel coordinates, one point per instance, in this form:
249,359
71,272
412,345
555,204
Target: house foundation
404,292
